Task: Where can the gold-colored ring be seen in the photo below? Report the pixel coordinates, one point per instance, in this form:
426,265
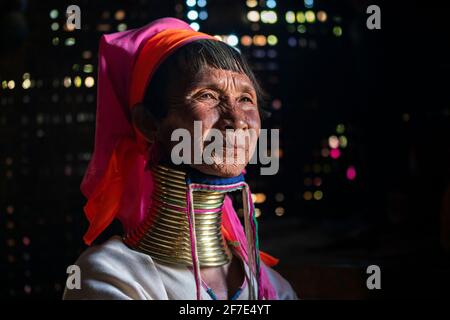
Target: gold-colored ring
168,239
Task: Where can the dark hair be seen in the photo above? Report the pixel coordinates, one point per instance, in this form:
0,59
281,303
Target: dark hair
189,60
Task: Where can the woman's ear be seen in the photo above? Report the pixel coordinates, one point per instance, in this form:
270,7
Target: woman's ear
144,121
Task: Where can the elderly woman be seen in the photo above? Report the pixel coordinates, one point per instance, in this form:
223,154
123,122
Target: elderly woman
182,238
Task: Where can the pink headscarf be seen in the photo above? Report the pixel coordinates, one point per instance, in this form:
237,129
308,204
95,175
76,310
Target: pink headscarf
116,183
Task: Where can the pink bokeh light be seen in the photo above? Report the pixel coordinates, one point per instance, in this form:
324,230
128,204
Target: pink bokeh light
351,173
335,153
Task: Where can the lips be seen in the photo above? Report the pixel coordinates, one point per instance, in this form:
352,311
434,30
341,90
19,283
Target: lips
231,145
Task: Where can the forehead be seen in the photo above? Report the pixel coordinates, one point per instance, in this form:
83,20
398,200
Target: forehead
222,78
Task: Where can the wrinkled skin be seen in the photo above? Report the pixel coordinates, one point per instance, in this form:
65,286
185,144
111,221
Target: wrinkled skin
220,99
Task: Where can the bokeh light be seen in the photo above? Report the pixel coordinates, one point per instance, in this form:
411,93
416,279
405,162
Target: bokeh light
351,173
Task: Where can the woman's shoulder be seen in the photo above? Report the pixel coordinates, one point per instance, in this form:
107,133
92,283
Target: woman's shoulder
112,270
114,258
112,252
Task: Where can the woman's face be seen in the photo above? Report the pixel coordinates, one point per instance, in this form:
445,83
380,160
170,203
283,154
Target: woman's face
220,99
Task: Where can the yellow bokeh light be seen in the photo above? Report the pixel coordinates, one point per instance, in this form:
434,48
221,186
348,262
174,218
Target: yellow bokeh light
89,82
269,16
343,142
301,28
290,17
310,16
26,84
77,81
318,195
272,40
88,68
253,16
337,31
301,17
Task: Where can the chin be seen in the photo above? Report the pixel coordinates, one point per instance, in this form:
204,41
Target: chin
220,170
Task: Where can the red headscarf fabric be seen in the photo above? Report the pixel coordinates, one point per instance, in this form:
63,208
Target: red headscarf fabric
116,183
115,179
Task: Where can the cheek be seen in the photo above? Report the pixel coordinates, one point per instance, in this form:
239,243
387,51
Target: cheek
186,117
207,115
253,119
202,112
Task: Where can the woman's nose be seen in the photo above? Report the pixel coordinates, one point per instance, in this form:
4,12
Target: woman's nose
232,117
234,121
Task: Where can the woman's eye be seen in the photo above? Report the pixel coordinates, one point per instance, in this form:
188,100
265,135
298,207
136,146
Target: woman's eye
207,95
246,100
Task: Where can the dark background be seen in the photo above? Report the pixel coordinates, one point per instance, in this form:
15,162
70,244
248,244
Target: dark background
384,92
